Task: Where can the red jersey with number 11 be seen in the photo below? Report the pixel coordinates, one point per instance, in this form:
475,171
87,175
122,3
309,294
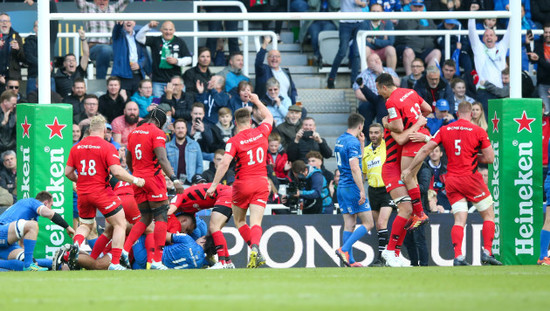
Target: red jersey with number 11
249,148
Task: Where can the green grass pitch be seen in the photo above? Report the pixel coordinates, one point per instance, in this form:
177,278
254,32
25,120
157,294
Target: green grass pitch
519,288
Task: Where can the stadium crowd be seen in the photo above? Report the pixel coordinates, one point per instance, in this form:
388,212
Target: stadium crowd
200,113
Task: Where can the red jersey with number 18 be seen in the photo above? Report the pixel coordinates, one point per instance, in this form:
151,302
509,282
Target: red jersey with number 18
91,158
249,147
141,143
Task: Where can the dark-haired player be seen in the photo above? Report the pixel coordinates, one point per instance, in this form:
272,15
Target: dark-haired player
251,188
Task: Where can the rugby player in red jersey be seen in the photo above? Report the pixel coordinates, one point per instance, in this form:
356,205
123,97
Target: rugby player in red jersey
147,158
405,107
251,188
93,158
466,145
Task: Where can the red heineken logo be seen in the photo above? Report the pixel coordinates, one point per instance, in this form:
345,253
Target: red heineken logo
56,128
26,126
524,122
495,121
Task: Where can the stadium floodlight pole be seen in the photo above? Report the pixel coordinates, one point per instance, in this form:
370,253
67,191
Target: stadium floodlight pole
43,34
515,49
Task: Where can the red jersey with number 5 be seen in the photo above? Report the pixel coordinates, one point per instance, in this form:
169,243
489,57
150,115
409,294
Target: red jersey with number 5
462,141
404,104
91,158
141,143
249,148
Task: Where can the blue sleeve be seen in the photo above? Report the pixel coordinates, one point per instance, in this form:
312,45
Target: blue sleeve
354,150
258,63
200,230
316,187
183,238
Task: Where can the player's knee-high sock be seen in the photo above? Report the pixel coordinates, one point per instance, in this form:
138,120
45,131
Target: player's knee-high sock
115,252
245,233
488,233
78,239
160,239
221,245
416,201
255,235
400,241
345,237
92,242
457,235
356,235
544,242
44,262
135,233
396,229
382,240
150,246
29,250
99,246
12,264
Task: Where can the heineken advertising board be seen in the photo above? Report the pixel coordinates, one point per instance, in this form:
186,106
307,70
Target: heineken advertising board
515,178
44,139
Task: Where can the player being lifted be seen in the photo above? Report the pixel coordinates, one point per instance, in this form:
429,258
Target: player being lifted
147,158
465,144
251,188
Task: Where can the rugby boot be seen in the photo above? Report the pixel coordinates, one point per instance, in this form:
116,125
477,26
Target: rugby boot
34,267
124,261
158,266
416,221
72,259
391,259
344,257
460,261
113,266
544,262
487,259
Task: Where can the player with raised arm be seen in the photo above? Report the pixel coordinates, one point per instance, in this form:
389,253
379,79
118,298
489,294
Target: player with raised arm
466,145
251,188
93,158
147,158
351,193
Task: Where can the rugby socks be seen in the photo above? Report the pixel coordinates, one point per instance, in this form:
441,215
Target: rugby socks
356,235
115,252
12,264
135,233
255,235
99,246
78,240
45,263
28,246
245,233
544,242
221,246
150,246
382,240
160,239
400,241
92,242
416,201
396,230
457,235
345,237
488,233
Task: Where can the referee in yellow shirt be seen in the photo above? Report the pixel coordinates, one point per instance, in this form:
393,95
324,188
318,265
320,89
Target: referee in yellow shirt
374,156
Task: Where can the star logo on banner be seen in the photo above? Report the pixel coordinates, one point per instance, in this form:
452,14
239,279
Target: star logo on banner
56,128
495,121
26,126
524,122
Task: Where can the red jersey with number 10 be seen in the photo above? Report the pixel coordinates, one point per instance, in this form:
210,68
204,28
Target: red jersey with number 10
249,147
404,104
462,141
91,158
141,143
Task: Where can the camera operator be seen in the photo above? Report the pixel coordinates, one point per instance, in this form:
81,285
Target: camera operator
201,132
306,140
307,185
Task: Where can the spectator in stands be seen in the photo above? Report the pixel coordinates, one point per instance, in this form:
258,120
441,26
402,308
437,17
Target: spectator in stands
478,115
228,178
233,73
91,105
381,45
76,97
277,157
32,97
495,91
184,153
459,93
540,10
417,71
145,98
169,54
314,28
347,31
291,126
201,131
308,139
224,128
440,117
64,77
477,5
244,89
277,104
504,5
100,48
8,173
455,41
129,56
410,47
432,176
213,96
109,136
77,132
11,51
179,101
199,73
432,88
366,110
8,100
273,69
233,43
542,58
267,7
126,123
168,127
449,70
14,86
111,104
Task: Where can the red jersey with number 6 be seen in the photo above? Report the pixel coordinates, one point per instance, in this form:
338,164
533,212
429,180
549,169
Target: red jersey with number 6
91,158
141,143
462,141
249,148
404,104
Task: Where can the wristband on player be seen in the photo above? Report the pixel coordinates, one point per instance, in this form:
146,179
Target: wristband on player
427,138
135,181
173,178
58,220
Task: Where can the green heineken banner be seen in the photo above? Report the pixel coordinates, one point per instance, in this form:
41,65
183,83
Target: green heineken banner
44,139
515,178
